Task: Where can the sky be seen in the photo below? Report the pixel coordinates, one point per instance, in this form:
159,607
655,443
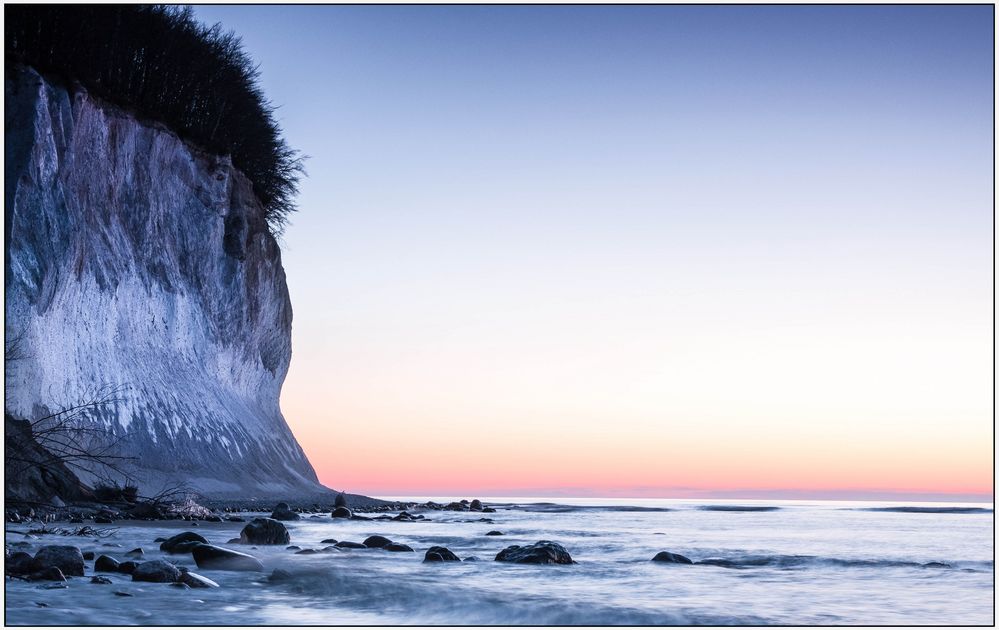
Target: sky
645,251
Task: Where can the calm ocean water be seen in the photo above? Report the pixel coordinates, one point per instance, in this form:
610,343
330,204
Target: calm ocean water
769,562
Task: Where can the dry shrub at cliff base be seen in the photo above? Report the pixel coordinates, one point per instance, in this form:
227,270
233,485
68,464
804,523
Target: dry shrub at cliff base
162,64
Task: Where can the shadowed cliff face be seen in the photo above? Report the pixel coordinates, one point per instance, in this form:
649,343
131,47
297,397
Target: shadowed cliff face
135,261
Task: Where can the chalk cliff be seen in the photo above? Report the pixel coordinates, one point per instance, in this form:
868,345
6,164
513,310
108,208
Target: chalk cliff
134,260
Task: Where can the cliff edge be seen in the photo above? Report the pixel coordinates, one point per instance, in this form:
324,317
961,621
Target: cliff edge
135,261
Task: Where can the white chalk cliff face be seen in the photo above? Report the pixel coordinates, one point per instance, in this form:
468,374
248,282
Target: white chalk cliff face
135,261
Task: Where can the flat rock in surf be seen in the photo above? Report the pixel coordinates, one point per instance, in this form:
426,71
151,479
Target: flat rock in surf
212,557
541,552
197,581
675,558
397,547
265,531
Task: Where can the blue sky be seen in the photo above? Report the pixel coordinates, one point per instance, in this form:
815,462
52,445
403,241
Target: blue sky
763,234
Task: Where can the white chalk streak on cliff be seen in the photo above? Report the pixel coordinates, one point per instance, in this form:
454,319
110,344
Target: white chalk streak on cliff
135,260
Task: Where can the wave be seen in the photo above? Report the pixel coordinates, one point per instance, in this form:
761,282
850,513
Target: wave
551,508
738,508
917,509
431,600
804,561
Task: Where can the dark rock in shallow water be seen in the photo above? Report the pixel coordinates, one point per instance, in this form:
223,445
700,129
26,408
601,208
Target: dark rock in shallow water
397,547
106,564
440,554
88,555
494,533
135,553
183,542
328,541
376,541
235,519
280,575
284,513
476,505
488,509
159,539
67,558
292,547
265,531
472,559
127,567
342,512
155,571
541,552
197,581
100,579
340,501
346,544
123,594
20,563
305,552
212,557
666,556
48,574
234,541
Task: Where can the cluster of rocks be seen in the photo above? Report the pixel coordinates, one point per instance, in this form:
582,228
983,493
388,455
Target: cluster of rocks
56,563
464,505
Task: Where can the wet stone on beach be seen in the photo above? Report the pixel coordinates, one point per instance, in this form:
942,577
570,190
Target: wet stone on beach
265,531
541,552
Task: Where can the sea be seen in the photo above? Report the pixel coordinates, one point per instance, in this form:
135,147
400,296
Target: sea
754,563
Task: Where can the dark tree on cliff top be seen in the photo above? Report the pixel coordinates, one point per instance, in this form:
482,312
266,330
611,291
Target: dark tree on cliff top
161,63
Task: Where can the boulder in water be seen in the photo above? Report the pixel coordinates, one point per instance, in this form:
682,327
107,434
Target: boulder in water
397,547
19,563
284,513
376,541
440,554
342,512
127,567
494,533
340,501
541,552
212,557
66,558
48,574
182,542
265,531
476,505
155,571
100,579
106,564
675,558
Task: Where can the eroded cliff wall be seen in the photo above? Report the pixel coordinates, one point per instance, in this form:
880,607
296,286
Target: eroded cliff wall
135,261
